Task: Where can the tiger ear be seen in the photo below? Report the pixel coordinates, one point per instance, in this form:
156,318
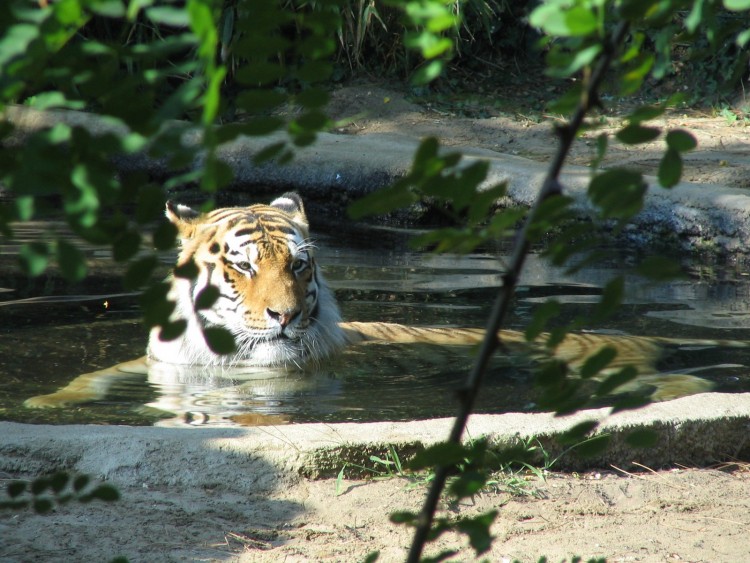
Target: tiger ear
182,217
291,203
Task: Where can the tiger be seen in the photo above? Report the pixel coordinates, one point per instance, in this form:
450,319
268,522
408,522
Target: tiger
274,300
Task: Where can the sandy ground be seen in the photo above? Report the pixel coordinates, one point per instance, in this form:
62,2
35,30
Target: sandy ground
674,515
670,516
722,156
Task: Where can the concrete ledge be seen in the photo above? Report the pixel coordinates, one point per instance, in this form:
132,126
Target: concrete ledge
697,430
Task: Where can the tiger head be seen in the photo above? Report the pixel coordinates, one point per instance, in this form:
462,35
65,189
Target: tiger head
271,295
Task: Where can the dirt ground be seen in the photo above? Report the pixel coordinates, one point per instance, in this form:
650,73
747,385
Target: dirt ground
673,515
722,156
695,515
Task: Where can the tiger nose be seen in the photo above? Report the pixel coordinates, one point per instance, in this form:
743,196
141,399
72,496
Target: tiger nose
282,318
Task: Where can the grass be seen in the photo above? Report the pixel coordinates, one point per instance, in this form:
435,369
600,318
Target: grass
517,478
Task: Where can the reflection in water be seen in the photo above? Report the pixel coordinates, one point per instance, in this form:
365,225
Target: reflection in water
220,396
46,341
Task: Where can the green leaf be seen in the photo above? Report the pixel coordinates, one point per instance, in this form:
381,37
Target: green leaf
260,126
258,73
670,168
478,530
24,207
314,71
48,100
156,307
468,484
557,20
633,78
313,120
542,315
383,201
625,375
139,272
150,206
442,453
82,206
578,433
646,113
187,270
483,203
171,330
313,98
166,15
219,340
618,192
72,262
634,134
108,8
551,373
259,100
629,402
207,297
34,257
429,44
611,299
599,361
127,245
216,174
568,102
429,72
681,141
737,5
165,236
695,16
562,63
212,96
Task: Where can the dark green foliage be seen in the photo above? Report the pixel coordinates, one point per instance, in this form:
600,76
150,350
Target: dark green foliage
139,65
618,193
442,180
219,340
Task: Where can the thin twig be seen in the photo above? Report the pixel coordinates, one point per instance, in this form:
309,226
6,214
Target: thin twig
550,187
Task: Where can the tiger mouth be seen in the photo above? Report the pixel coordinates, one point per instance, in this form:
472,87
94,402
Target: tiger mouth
281,337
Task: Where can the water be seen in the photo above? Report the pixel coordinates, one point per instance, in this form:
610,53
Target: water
48,336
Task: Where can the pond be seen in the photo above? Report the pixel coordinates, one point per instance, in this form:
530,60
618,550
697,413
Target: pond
48,336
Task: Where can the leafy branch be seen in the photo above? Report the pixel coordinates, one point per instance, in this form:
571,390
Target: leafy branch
550,188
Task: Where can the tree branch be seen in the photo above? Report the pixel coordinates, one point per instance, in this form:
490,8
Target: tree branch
550,187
